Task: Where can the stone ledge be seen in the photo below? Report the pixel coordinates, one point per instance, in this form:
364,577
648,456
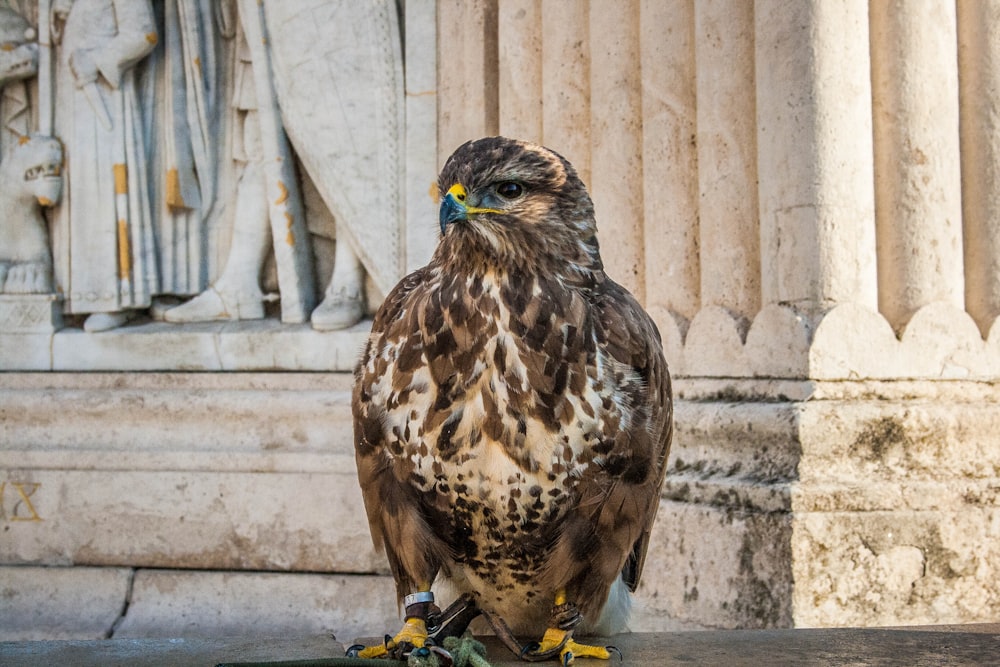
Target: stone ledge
200,604
254,471
93,603
252,345
964,645
60,603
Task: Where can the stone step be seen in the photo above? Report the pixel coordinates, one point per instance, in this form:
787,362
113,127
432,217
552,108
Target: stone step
965,645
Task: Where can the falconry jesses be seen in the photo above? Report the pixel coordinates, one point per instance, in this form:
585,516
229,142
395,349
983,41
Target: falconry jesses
512,414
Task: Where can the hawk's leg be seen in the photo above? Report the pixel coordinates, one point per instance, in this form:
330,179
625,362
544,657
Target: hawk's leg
421,612
558,638
454,620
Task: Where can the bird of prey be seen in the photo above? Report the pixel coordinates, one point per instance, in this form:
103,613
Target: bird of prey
512,414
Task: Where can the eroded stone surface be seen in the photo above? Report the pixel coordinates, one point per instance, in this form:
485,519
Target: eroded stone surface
220,604
61,603
777,511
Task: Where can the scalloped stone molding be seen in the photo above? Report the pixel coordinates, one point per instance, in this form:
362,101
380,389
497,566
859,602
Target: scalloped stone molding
846,342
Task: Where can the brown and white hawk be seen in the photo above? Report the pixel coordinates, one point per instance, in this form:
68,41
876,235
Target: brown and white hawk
512,413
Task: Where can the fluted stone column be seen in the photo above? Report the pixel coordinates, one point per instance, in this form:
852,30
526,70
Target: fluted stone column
917,163
566,81
421,128
520,69
669,162
727,157
616,139
814,153
979,86
467,73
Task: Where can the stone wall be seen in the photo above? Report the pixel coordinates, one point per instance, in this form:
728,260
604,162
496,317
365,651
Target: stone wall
803,195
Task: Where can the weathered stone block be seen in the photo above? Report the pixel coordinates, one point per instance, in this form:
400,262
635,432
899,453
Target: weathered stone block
896,568
192,471
715,567
219,604
830,504
25,351
30,313
61,603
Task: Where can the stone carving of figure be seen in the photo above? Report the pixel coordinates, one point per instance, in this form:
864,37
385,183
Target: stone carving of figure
341,102
29,178
28,169
343,304
181,93
18,61
105,245
236,293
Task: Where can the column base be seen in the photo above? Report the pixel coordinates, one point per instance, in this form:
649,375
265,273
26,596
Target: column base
821,504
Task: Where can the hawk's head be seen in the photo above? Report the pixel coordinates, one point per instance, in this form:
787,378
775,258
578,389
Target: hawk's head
507,203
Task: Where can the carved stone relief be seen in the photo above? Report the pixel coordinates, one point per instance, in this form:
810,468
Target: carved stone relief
223,160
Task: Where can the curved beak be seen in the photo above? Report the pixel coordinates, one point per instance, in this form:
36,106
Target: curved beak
452,210
455,208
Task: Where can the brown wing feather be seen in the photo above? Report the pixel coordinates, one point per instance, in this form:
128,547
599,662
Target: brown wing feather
395,513
631,337
619,498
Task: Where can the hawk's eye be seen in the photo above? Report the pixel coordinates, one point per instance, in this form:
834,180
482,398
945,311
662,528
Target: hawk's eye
510,190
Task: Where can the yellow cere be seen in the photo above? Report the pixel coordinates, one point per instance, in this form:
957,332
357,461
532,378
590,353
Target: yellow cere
458,192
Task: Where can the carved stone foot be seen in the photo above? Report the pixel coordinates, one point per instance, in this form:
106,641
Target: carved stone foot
338,311
161,304
214,305
26,278
98,322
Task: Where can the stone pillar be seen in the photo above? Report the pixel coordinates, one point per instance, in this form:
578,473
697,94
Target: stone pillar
917,164
566,82
979,87
520,69
616,138
421,129
727,158
669,162
467,73
814,153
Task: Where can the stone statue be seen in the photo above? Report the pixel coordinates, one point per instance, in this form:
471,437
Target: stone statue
266,194
19,55
29,178
18,61
30,170
341,104
181,99
341,101
105,246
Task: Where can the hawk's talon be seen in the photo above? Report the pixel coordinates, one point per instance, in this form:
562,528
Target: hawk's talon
354,650
560,644
529,649
616,651
413,635
553,644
